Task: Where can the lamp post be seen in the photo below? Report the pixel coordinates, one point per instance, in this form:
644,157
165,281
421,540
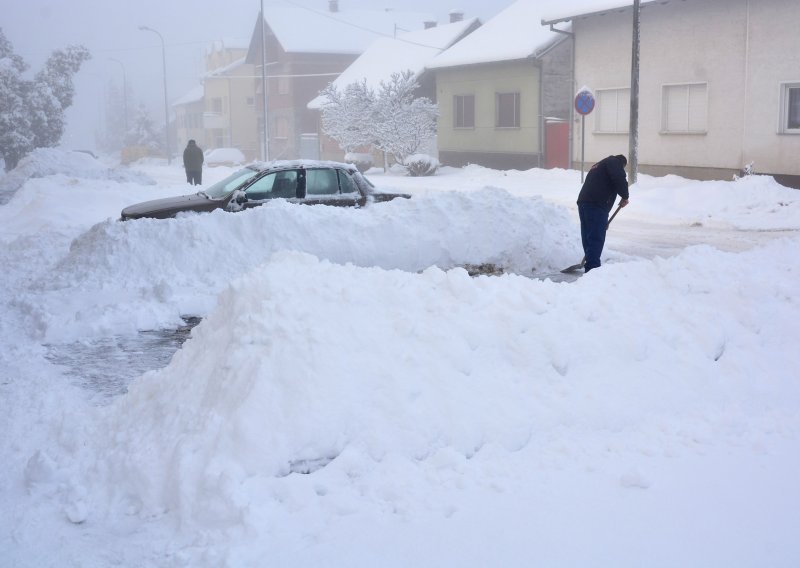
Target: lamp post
124,92
166,103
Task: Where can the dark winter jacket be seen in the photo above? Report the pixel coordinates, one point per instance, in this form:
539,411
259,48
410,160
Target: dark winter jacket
192,157
605,180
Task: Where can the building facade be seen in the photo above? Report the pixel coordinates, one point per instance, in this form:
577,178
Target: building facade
719,86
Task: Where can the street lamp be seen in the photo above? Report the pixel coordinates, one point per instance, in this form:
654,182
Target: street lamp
124,92
166,103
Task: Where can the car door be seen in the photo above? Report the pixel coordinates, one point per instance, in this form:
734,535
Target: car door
331,186
281,184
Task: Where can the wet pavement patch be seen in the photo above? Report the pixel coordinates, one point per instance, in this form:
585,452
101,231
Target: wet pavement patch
105,367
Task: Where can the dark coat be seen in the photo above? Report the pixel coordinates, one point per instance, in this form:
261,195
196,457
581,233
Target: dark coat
605,180
193,157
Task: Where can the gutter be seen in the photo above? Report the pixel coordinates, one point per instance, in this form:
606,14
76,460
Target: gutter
574,87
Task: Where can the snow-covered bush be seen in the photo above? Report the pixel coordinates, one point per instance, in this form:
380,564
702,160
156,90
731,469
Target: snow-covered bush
361,160
419,165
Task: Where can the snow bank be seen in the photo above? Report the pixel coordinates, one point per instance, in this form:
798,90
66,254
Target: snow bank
646,412
161,269
377,379
44,162
224,157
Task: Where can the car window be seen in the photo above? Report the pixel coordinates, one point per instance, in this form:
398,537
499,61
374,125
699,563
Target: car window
274,185
225,186
346,183
322,182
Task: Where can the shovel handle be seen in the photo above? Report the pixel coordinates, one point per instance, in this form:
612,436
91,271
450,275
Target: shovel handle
614,215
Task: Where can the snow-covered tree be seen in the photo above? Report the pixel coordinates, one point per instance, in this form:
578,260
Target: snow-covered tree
32,112
392,119
113,139
347,116
16,136
54,92
402,121
142,132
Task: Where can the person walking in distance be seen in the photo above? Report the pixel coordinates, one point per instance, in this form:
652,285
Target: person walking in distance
605,180
193,163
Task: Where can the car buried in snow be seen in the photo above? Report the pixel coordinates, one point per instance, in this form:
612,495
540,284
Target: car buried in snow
310,182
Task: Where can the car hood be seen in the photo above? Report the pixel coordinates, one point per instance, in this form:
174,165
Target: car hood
169,206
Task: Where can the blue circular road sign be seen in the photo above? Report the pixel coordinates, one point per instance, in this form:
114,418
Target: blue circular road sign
584,102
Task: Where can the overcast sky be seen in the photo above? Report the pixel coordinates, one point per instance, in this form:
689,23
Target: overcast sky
109,29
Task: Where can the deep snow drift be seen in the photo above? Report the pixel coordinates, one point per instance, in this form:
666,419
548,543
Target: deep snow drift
352,399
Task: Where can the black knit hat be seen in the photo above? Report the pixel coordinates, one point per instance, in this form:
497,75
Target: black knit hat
622,159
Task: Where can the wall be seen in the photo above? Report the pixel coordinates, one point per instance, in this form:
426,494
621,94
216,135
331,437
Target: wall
740,48
485,144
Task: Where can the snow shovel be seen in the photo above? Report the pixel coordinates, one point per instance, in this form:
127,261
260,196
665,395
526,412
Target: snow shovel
575,267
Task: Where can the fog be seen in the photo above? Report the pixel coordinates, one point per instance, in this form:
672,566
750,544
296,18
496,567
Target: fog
123,52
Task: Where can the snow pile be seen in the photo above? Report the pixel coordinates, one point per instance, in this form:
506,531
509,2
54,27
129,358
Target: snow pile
224,157
353,398
378,379
162,269
44,162
750,203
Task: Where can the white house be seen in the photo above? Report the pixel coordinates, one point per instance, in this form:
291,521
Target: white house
719,85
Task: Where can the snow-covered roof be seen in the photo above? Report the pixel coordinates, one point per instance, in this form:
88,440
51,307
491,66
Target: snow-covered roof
515,33
306,30
569,10
192,96
225,68
227,43
410,51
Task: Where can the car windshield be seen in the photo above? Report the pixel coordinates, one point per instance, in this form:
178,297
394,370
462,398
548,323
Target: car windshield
227,185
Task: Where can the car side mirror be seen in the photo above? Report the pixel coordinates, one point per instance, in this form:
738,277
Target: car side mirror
237,200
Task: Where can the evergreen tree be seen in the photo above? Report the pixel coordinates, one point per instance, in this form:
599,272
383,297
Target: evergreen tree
16,135
32,112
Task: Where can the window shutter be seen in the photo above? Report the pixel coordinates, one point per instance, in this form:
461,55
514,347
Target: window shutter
698,112
676,102
606,110
623,110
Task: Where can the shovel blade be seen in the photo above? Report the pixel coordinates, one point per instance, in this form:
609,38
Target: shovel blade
572,268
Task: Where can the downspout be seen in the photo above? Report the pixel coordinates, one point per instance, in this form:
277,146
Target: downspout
542,149
574,88
746,80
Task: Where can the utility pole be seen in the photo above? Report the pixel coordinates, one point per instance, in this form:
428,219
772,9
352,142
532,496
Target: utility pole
265,153
633,136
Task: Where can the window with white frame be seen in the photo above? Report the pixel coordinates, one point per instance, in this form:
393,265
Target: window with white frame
613,113
790,108
507,110
464,111
684,108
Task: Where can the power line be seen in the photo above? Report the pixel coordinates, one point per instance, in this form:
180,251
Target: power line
354,25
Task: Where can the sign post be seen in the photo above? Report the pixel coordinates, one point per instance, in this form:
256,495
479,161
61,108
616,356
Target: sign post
584,104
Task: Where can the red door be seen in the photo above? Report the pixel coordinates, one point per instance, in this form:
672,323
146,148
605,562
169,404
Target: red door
556,144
